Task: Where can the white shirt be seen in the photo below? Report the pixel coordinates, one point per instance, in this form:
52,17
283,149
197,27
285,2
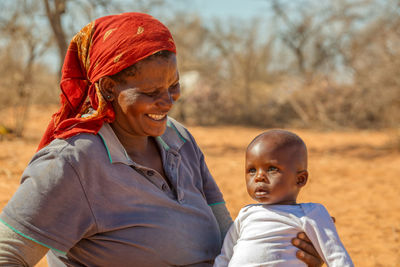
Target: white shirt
261,236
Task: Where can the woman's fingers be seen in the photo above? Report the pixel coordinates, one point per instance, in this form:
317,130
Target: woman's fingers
304,237
307,252
308,259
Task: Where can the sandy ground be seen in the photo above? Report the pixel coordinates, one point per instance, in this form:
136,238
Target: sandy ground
352,173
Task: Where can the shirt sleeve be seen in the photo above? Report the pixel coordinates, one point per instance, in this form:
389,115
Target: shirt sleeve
230,240
223,217
50,206
319,227
16,250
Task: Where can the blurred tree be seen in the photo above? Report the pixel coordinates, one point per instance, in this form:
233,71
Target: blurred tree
192,39
25,39
54,11
22,47
245,56
310,63
320,37
374,59
64,15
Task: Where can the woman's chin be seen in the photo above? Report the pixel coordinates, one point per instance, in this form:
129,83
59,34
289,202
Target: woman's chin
154,132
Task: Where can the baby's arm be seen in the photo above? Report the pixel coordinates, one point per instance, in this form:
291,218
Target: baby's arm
319,227
230,240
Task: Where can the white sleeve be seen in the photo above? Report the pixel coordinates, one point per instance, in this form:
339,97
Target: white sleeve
230,240
320,229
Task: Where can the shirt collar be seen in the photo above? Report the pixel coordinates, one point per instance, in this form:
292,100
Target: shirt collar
170,140
115,150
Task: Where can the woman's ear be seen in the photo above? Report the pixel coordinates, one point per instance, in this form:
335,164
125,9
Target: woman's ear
107,88
302,177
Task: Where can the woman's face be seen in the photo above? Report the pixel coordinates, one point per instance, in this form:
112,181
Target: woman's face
142,102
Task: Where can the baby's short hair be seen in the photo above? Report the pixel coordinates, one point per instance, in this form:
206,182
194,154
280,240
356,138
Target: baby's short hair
282,139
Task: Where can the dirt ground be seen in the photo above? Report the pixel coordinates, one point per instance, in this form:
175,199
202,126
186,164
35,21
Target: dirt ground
353,173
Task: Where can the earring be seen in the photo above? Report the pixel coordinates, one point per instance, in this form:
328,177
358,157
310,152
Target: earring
108,97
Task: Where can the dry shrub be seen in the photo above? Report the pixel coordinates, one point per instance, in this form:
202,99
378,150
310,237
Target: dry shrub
19,92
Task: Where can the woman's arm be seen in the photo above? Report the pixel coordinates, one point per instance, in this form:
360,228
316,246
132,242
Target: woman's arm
223,217
16,250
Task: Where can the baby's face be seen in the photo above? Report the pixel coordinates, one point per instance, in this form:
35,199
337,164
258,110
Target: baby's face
271,175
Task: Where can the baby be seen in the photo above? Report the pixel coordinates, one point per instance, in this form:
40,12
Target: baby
276,170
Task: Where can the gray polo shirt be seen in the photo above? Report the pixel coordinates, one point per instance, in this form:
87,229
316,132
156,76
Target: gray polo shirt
87,201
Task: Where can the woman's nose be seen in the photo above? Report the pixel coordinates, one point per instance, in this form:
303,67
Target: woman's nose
166,100
175,94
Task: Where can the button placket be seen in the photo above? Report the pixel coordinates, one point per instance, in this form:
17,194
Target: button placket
174,159
164,187
156,179
149,174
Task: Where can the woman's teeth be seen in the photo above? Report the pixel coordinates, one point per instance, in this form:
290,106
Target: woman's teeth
156,117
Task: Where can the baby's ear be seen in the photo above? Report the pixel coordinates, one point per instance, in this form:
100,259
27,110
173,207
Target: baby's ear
302,177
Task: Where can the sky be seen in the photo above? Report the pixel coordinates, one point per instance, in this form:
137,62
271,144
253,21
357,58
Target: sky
243,9
207,9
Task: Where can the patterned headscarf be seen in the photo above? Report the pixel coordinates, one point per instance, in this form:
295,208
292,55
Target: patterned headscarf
103,47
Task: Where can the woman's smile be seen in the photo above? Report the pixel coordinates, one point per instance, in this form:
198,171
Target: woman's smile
157,117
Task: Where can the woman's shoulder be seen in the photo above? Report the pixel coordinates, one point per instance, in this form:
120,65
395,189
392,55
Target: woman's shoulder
74,148
79,142
63,158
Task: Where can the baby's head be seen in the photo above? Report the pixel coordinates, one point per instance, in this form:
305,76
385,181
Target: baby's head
276,167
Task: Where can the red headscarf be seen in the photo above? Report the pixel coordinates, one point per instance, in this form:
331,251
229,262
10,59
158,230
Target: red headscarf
103,47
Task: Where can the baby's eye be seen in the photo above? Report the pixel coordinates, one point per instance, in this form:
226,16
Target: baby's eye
272,169
252,171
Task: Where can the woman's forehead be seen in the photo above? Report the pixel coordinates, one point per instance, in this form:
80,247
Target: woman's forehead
155,71
157,61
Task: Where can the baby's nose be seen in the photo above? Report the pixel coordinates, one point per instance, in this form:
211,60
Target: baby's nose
261,177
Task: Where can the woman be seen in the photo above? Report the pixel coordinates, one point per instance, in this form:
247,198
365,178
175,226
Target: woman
115,182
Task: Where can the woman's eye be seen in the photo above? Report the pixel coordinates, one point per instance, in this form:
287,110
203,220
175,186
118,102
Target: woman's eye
153,93
175,87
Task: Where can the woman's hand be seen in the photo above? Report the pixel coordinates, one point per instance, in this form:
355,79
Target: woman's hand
307,252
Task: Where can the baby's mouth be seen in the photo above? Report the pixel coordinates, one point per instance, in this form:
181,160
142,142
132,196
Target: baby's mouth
261,192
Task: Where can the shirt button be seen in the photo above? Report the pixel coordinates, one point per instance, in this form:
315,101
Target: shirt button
150,173
164,187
